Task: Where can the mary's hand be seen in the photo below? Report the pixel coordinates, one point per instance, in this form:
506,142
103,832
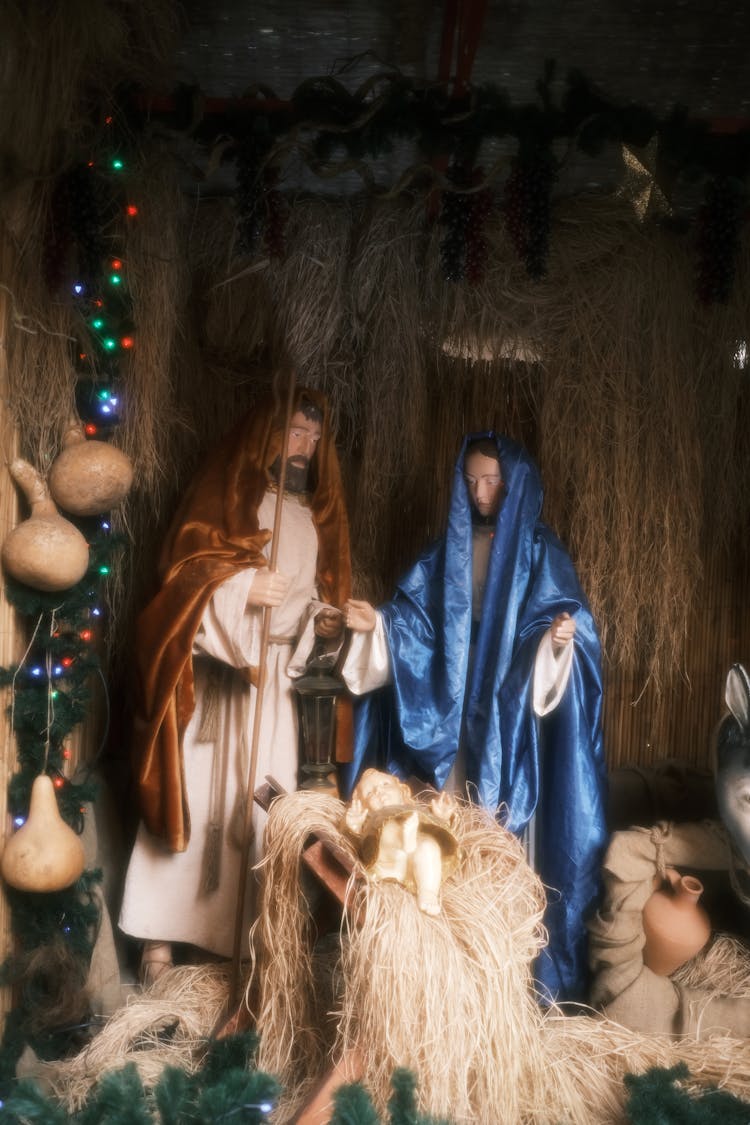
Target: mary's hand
359,616
562,630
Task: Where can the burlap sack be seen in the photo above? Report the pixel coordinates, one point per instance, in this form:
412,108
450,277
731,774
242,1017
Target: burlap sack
623,987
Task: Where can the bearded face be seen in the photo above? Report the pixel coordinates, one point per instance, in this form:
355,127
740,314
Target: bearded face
304,435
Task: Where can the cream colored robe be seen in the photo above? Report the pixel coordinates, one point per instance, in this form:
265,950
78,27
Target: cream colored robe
164,897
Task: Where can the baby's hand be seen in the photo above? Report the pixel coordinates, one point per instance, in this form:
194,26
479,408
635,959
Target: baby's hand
355,816
444,806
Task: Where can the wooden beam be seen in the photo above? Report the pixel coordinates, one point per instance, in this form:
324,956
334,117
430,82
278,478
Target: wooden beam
9,626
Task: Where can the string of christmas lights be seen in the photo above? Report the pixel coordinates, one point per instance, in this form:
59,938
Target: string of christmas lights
54,932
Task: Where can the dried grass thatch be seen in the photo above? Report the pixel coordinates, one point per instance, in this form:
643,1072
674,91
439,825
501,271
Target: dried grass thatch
723,968
624,387
607,370
166,1026
450,998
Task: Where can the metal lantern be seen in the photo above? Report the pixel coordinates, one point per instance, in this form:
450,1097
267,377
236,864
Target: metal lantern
317,692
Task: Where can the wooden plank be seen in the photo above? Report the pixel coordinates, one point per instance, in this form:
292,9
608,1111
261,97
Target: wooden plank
319,1109
330,865
9,626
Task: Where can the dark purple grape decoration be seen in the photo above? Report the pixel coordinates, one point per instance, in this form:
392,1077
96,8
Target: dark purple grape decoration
527,207
251,151
277,214
454,216
718,235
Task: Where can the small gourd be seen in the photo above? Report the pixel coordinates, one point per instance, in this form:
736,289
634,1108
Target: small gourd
45,551
45,854
89,477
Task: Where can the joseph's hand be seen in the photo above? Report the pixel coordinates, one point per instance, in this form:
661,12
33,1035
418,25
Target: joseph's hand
268,588
329,624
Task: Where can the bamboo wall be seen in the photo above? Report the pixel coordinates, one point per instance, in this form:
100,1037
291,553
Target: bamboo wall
643,726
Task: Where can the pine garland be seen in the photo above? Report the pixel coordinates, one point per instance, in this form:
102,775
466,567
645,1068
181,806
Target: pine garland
54,932
655,1098
50,688
226,1088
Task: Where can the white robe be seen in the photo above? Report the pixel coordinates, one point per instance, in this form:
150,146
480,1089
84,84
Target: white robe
163,897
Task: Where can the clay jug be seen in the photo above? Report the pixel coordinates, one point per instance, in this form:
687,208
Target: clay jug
675,924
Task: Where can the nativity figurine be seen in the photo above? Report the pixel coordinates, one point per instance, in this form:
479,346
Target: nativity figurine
402,840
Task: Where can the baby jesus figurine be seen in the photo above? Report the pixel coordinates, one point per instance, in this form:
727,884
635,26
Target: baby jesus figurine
401,840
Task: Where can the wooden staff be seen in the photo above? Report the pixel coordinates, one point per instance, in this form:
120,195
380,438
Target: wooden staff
247,834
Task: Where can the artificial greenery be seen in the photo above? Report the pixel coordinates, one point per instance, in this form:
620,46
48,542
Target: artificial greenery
53,932
335,131
656,1098
353,1105
225,1088
50,687
329,121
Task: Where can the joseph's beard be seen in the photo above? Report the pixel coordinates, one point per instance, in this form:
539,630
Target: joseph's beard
297,472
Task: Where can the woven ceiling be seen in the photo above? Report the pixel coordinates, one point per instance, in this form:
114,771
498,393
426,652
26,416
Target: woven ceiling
654,53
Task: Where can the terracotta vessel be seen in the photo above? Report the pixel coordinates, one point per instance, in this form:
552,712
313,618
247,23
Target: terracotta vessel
675,924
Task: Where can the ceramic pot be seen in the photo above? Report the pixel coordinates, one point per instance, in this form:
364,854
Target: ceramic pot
674,922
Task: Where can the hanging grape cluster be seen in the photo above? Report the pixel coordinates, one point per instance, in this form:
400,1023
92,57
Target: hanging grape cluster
86,221
527,208
476,241
251,152
455,215
57,238
276,214
719,220
73,229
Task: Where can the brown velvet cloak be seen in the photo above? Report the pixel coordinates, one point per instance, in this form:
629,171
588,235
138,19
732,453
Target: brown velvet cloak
213,535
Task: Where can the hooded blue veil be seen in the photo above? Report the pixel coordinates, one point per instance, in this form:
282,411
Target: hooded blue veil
550,769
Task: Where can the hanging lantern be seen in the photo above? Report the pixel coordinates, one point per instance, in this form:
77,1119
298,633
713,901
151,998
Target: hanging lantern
317,692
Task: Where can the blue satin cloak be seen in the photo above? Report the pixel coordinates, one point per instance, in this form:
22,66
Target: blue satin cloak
517,763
